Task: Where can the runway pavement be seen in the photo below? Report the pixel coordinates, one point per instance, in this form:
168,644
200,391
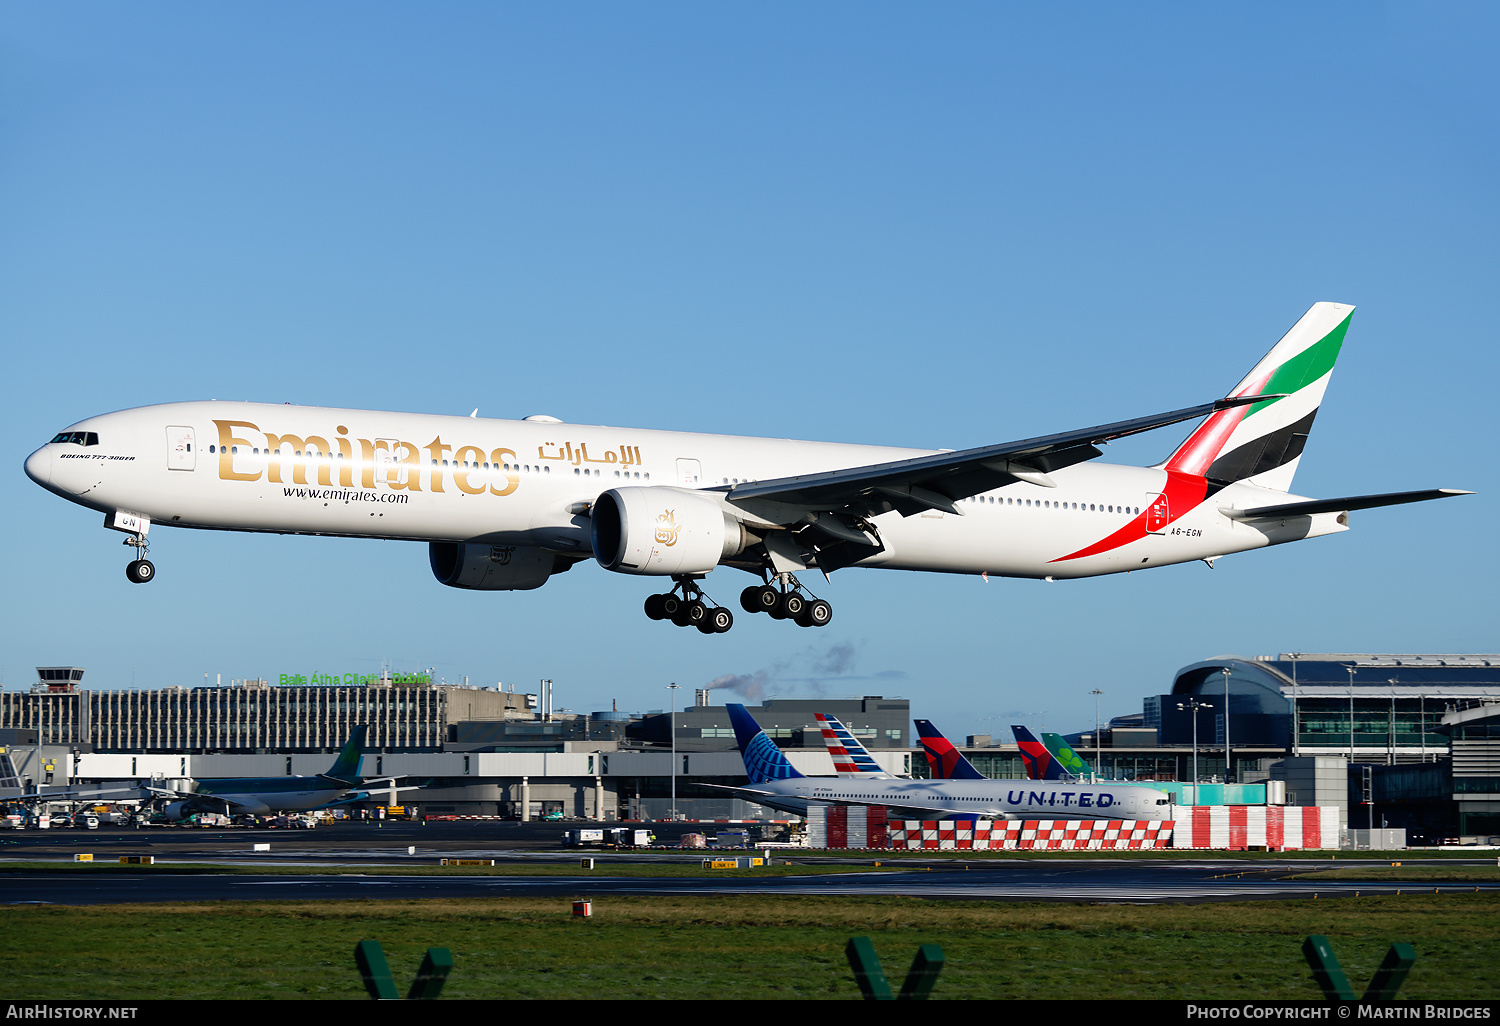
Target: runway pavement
1106,878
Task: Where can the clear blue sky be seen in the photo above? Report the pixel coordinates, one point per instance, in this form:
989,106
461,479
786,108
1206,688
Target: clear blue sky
933,225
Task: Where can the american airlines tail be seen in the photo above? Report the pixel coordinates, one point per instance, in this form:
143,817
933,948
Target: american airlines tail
763,760
850,758
1262,443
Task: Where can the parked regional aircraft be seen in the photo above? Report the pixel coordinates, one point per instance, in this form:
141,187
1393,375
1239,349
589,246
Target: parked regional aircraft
262,796
775,782
678,505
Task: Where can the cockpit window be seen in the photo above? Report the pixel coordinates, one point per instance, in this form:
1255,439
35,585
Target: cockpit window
78,437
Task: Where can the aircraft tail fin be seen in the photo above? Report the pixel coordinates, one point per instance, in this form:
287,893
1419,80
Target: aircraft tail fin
1262,443
1040,765
945,761
850,759
1071,762
346,766
763,760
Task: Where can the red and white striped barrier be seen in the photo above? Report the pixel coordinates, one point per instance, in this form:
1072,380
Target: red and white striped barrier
845,826
1061,834
1237,827
1223,827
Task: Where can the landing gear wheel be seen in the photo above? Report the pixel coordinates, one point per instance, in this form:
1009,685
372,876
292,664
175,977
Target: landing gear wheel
816,614
750,600
671,605
791,606
139,571
767,599
686,606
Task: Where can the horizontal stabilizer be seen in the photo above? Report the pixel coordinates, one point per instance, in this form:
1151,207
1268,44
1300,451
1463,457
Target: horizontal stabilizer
1307,509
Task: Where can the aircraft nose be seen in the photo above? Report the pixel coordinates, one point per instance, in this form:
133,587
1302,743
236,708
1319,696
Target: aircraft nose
39,466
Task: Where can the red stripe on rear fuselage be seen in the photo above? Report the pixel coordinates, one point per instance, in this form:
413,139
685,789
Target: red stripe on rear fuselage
1183,491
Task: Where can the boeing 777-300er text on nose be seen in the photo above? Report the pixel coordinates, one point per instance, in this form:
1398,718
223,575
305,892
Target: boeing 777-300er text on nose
504,504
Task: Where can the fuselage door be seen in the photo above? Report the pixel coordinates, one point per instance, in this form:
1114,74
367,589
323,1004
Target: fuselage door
390,466
180,455
1157,514
689,474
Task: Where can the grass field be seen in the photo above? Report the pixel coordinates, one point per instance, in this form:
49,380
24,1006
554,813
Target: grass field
743,947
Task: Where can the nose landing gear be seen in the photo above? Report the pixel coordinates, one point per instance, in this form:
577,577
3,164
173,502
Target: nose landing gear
690,609
139,570
786,602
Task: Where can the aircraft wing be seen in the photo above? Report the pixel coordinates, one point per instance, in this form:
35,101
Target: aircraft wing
165,792
941,811
48,796
940,480
896,802
209,802
1312,506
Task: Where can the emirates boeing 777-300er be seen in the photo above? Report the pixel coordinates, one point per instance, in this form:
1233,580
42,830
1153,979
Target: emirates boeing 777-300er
505,504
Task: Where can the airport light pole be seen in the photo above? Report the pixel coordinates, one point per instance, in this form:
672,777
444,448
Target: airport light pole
1096,693
1350,670
1194,704
672,729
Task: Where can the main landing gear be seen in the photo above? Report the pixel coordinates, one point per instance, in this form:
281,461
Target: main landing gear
786,602
690,609
140,569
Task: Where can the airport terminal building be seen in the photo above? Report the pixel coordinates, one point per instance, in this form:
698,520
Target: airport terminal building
1400,740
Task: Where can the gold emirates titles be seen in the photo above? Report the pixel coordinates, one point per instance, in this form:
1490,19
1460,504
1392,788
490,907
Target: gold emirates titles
401,471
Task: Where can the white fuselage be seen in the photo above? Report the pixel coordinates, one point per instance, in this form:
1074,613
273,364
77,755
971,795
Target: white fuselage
937,799
311,470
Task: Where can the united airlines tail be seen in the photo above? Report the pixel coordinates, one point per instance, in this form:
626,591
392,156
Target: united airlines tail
1262,443
763,760
945,761
850,759
346,766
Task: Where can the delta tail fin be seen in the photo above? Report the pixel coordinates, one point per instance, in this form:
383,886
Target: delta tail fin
1262,443
346,766
850,759
763,760
944,760
1040,763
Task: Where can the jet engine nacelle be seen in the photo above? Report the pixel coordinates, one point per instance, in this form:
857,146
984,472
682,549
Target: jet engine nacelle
176,812
479,567
659,531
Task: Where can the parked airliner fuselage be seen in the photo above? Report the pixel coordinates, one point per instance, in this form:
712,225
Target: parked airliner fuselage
1010,799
